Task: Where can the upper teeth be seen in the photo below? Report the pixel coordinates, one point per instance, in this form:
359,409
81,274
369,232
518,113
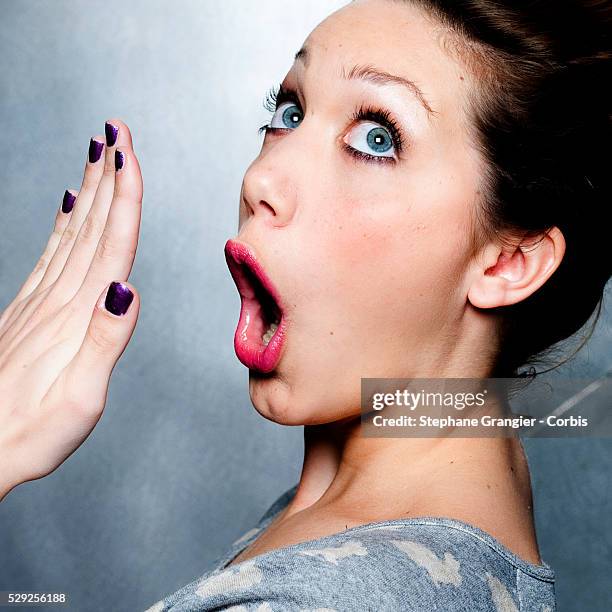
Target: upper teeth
269,333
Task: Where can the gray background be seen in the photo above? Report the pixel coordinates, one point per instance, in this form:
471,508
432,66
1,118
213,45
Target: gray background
180,464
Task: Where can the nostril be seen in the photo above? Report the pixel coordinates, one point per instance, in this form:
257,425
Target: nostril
267,206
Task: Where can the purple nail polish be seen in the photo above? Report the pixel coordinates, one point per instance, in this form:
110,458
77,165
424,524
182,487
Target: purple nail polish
95,150
118,298
68,202
111,134
119,159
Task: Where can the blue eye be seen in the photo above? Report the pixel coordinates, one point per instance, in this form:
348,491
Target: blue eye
287,116
372,139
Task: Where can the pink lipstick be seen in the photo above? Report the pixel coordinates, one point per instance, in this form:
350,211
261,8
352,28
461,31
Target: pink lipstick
260,333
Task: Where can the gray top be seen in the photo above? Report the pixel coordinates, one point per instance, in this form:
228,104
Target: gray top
427,563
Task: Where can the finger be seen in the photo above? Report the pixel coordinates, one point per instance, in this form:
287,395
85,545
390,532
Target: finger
61,222
75,402
116,250
110,329
117,134
91,178
93,236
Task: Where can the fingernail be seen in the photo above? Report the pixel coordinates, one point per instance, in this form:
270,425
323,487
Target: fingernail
111,134
68,202
119,159
118,298
95,150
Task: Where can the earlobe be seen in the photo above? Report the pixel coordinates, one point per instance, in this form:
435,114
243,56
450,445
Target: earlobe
507,276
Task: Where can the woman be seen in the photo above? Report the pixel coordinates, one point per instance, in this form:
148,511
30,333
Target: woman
422,206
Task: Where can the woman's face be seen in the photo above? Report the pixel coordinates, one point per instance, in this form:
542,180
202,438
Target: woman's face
360,209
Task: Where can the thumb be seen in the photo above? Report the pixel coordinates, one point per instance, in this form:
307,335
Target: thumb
109,331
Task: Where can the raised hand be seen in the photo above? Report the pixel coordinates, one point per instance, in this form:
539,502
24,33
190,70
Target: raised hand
72,318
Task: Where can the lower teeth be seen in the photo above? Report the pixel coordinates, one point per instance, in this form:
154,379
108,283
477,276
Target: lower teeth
268,335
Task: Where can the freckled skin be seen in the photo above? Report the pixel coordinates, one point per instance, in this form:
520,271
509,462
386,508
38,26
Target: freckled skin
375,252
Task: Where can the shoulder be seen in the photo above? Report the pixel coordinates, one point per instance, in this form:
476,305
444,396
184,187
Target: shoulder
433,564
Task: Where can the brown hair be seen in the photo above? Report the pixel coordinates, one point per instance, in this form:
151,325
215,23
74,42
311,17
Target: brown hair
542,120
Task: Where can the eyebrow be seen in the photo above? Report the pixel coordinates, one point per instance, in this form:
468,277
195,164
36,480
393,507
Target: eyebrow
376,76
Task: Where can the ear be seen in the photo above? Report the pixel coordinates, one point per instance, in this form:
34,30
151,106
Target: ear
507,275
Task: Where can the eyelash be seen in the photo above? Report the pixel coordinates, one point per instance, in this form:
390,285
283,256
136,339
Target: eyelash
277,95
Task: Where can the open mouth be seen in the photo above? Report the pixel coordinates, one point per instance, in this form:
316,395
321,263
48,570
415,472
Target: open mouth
259,335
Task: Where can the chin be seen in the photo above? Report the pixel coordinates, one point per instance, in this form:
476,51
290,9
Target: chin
277,400
272,397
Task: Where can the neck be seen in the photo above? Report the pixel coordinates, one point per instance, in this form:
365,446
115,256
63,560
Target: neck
482,481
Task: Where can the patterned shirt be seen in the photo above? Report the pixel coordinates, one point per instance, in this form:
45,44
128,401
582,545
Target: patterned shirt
407,565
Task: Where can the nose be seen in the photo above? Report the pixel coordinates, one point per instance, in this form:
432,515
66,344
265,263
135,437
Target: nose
268,191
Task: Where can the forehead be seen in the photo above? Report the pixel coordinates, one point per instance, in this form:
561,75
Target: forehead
394,36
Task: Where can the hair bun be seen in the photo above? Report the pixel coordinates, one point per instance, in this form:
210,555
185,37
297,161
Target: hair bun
544,120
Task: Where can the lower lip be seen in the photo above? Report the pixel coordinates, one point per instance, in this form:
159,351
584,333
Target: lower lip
248,345
248,342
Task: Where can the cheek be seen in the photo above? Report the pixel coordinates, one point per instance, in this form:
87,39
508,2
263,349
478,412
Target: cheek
359,231
372,244
376,273
395,256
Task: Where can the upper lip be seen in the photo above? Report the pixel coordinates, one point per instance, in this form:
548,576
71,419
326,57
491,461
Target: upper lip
237,254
